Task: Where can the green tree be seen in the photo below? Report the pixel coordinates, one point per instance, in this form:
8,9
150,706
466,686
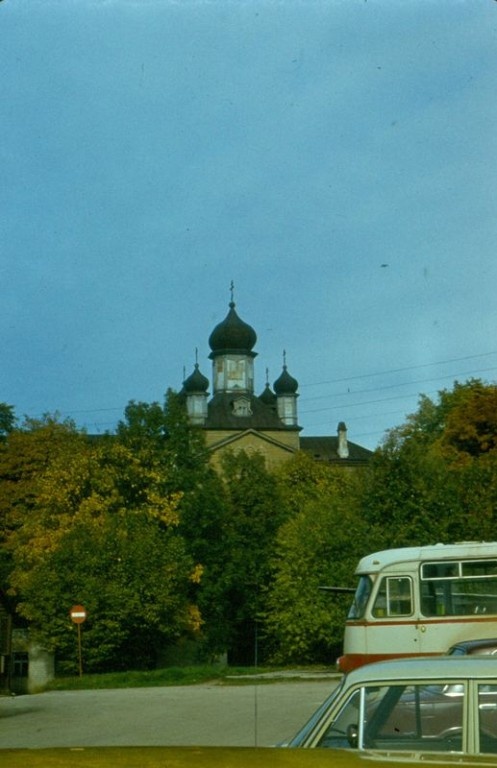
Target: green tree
433,479
203,515
164,437
7,419
318,546
101,532
253,514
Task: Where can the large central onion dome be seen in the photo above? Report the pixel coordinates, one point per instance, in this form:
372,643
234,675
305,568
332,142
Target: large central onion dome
232,336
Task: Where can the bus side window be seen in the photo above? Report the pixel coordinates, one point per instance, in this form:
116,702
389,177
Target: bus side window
394,597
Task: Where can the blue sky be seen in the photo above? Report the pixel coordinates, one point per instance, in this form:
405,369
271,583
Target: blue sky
152,151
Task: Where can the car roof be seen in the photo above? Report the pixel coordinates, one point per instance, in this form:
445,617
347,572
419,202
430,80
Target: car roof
480,643
426,668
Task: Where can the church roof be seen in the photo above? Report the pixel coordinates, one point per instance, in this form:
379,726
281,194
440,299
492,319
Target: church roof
285,384
221,414
196,382
232,336
268,397
326,449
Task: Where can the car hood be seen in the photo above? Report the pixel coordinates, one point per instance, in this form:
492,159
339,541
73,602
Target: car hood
219,757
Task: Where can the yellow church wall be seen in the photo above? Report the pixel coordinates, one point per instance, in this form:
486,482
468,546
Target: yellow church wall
277,448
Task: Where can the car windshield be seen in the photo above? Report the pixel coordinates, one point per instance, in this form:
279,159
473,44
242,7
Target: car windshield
317,717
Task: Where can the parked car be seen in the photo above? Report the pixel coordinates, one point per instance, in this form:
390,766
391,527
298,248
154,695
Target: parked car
485,646
216,757
435,704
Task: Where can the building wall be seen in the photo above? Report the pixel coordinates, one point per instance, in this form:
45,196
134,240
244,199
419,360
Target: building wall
277,448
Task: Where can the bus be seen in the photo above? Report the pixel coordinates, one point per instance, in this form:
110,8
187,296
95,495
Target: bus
418,601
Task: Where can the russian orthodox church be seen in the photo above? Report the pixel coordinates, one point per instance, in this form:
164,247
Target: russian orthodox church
235,418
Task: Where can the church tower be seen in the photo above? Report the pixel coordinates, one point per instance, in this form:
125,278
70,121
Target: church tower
235,418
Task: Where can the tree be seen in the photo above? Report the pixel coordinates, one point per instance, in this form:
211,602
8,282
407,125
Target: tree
434,477
7,419
102,532
25,453
471,426
254,511
165,435
317,546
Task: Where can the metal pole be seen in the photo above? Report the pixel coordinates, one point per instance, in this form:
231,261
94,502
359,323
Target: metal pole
80,655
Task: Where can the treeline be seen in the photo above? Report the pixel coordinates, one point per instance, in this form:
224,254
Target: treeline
163,552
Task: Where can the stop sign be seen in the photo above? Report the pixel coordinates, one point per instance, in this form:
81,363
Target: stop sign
78,614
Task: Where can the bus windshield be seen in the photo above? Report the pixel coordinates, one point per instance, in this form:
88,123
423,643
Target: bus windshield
361,597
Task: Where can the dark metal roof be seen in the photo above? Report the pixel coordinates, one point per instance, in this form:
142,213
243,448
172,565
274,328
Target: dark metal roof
285,384
326,449
221,414
196,382
232,336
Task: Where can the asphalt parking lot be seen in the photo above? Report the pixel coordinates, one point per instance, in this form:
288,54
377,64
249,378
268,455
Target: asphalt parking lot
259,714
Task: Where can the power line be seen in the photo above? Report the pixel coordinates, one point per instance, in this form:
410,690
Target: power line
397,370
70,412
401,384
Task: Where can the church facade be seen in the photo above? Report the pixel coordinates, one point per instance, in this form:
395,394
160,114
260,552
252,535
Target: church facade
236,418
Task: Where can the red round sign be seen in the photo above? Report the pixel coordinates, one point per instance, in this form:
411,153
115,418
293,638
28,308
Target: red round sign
78,614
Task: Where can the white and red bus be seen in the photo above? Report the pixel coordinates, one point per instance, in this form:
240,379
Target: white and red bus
419,601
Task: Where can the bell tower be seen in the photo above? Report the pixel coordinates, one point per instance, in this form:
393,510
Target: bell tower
231,344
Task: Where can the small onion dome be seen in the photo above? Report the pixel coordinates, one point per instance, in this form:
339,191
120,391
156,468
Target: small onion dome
232,335
285,384
268,397
196,382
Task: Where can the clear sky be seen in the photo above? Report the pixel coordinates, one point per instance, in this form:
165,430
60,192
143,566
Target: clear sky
337,160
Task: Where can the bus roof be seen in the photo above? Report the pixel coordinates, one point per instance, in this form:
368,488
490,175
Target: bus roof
377,561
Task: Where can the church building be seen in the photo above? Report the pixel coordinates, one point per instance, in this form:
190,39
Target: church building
235,418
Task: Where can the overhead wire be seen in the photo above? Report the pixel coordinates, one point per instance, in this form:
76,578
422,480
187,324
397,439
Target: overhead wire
344,394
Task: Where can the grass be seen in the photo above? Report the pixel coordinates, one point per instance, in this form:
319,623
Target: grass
192,675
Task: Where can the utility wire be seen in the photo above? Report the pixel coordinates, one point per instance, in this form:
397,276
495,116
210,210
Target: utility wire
397,370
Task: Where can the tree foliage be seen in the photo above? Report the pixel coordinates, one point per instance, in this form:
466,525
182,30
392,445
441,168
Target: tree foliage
7,419
253,514
316,547
141,530
434,477
97,527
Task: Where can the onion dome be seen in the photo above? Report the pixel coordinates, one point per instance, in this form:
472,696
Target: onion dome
195,383
285,384
232,336
268,397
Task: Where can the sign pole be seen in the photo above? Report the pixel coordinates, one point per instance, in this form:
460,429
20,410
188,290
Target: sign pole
80,654
78,616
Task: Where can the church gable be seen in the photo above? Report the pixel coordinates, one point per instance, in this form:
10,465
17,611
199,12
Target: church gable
275,450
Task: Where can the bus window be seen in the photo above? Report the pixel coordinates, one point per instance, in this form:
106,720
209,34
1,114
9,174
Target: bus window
479,568
394,597
439,570
361,597
459,588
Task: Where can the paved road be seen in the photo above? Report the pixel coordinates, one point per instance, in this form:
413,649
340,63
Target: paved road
208,715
